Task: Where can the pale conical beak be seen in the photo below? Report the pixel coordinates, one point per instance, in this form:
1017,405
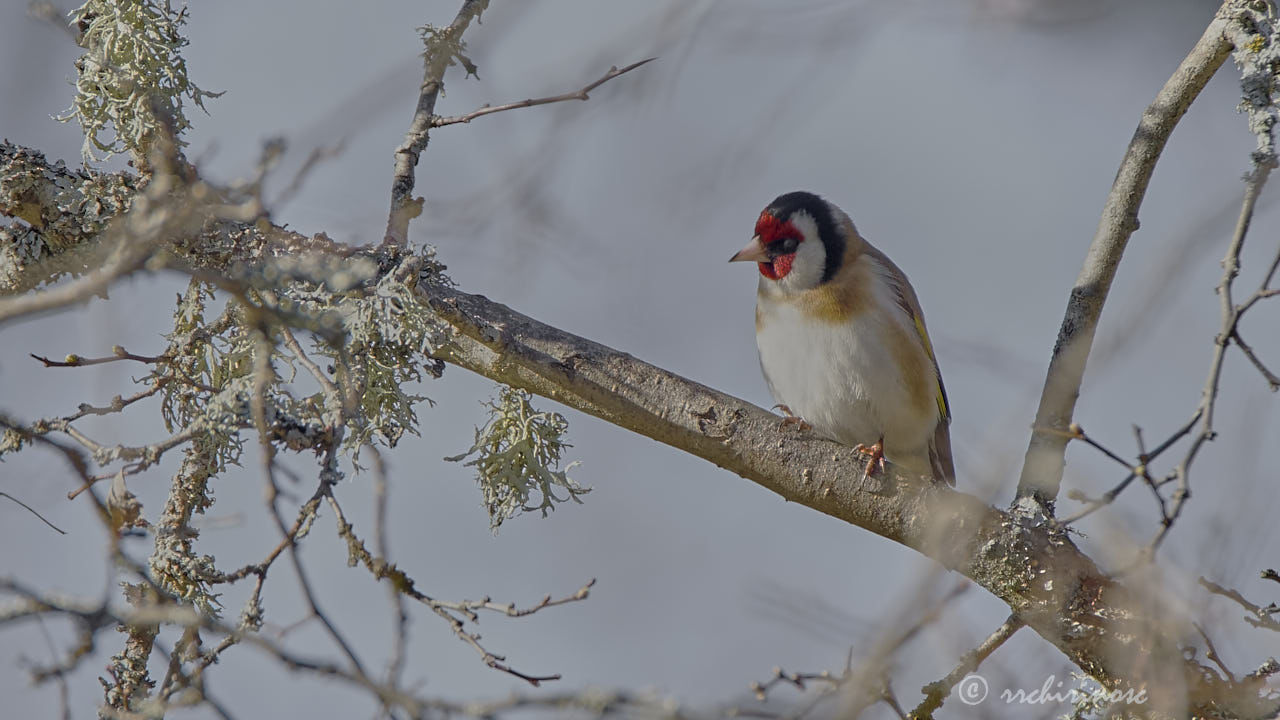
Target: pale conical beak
753,252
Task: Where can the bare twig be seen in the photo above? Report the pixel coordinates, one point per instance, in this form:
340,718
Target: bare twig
580,94
118,354
64,693
1139,470
400,617
33,512
1263,617
1211,652
860,684
936,693
1043,466
1231,314
449,611
314,158
1273,380
264,376
797,680
332,394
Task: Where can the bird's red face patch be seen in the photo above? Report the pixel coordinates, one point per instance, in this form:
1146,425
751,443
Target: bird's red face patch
779,268
770,230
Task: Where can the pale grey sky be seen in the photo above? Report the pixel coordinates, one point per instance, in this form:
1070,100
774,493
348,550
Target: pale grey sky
973,142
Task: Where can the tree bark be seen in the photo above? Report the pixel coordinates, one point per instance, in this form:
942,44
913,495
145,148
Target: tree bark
1117,634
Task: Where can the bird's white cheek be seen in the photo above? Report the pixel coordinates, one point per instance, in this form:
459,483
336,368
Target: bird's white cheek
805,268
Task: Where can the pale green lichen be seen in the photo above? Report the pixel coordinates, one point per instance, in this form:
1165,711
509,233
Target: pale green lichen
132,77
392,334
206,376
517,453
375,330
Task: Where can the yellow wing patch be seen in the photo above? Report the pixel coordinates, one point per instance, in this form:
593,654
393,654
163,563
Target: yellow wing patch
941,395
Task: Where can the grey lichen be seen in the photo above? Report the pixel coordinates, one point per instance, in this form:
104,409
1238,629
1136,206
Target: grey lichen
60,214
1256,37
517,453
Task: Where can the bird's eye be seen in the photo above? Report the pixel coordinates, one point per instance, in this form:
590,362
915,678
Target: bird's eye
787,246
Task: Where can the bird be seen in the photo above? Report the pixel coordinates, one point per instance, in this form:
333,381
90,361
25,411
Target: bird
842,338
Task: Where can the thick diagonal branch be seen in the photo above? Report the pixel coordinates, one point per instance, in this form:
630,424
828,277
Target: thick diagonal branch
1107,629
1045,459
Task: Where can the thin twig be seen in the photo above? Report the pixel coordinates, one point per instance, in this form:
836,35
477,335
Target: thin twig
263,376
935,693
33,512
580,94
402,583
64,693
1272,379
314,158
400,618
1211,652
1230,328
118,354
1263,617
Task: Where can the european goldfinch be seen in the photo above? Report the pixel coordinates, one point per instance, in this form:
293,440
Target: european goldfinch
842,338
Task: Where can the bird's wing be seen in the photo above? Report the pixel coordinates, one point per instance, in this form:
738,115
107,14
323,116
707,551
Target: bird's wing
944,468
940,447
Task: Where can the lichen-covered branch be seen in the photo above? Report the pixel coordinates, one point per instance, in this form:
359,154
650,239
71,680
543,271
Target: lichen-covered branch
443,48
62,212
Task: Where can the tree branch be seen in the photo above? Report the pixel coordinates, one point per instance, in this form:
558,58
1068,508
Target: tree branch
581,94
442,47
936,692
1045,458
1109,630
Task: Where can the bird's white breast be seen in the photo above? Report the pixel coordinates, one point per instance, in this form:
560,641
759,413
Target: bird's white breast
840,376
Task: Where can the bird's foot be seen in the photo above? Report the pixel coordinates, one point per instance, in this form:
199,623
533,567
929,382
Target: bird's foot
790,418
875,457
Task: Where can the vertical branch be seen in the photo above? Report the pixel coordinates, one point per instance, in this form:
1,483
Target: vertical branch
442,47
1045,459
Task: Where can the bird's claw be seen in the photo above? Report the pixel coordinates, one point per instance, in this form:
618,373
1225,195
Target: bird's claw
789,418
875,457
